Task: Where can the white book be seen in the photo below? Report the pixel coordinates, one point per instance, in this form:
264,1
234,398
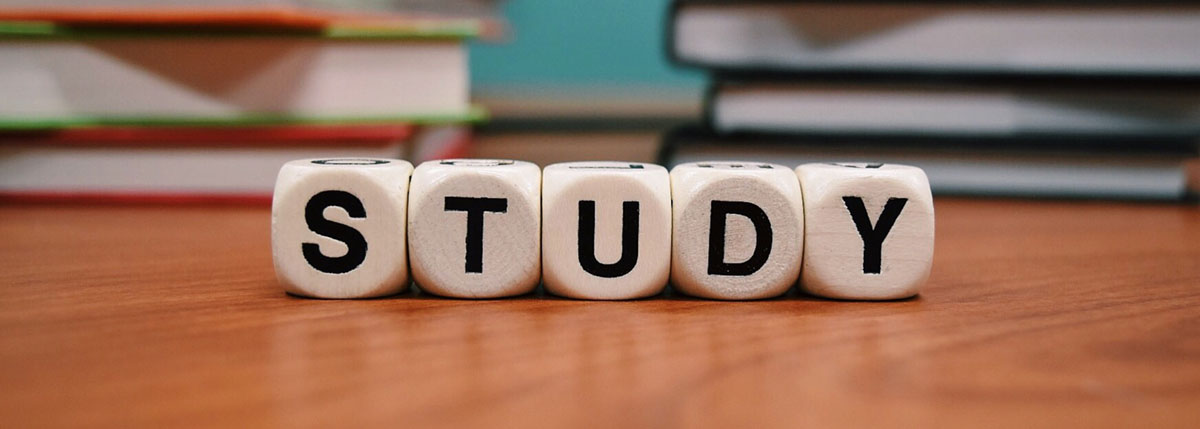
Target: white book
477,8
1121,38
950,109
139,163
156,172
52,77
968,168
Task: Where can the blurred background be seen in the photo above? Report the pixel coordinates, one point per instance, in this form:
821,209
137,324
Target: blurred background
581,80
188,100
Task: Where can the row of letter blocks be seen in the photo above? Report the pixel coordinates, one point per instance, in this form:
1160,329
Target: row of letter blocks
356,228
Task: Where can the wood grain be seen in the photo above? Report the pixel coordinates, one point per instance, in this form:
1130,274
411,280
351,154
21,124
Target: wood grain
1042,314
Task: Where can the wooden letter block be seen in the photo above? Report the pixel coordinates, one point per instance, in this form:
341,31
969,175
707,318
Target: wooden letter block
474,227
337,227
606,229
738,229
870,230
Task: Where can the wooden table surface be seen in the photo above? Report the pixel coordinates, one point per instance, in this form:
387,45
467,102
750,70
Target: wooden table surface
1037,314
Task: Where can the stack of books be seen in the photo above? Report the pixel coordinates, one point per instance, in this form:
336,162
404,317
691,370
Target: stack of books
201,101
1014,98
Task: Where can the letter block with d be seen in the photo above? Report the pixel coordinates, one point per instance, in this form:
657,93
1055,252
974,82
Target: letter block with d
474,227
738,229
337,227
606,229
870,230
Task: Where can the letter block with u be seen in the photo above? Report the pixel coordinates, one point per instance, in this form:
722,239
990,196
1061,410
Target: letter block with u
474,227
606,229
337,227
738,230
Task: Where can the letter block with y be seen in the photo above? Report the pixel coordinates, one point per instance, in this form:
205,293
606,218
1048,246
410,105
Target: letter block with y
474,227
337,227
870,230
738,230
606,229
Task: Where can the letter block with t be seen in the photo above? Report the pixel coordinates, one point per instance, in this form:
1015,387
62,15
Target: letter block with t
474,227
738,229
337,227
869,230
606,229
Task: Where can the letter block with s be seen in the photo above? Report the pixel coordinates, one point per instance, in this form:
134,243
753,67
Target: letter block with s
474,227
738,230
337,227
606,229
870,230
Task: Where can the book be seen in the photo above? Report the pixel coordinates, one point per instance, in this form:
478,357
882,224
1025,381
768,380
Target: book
1124,168
1014,109
61,76
1024,39
178,164
250,13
